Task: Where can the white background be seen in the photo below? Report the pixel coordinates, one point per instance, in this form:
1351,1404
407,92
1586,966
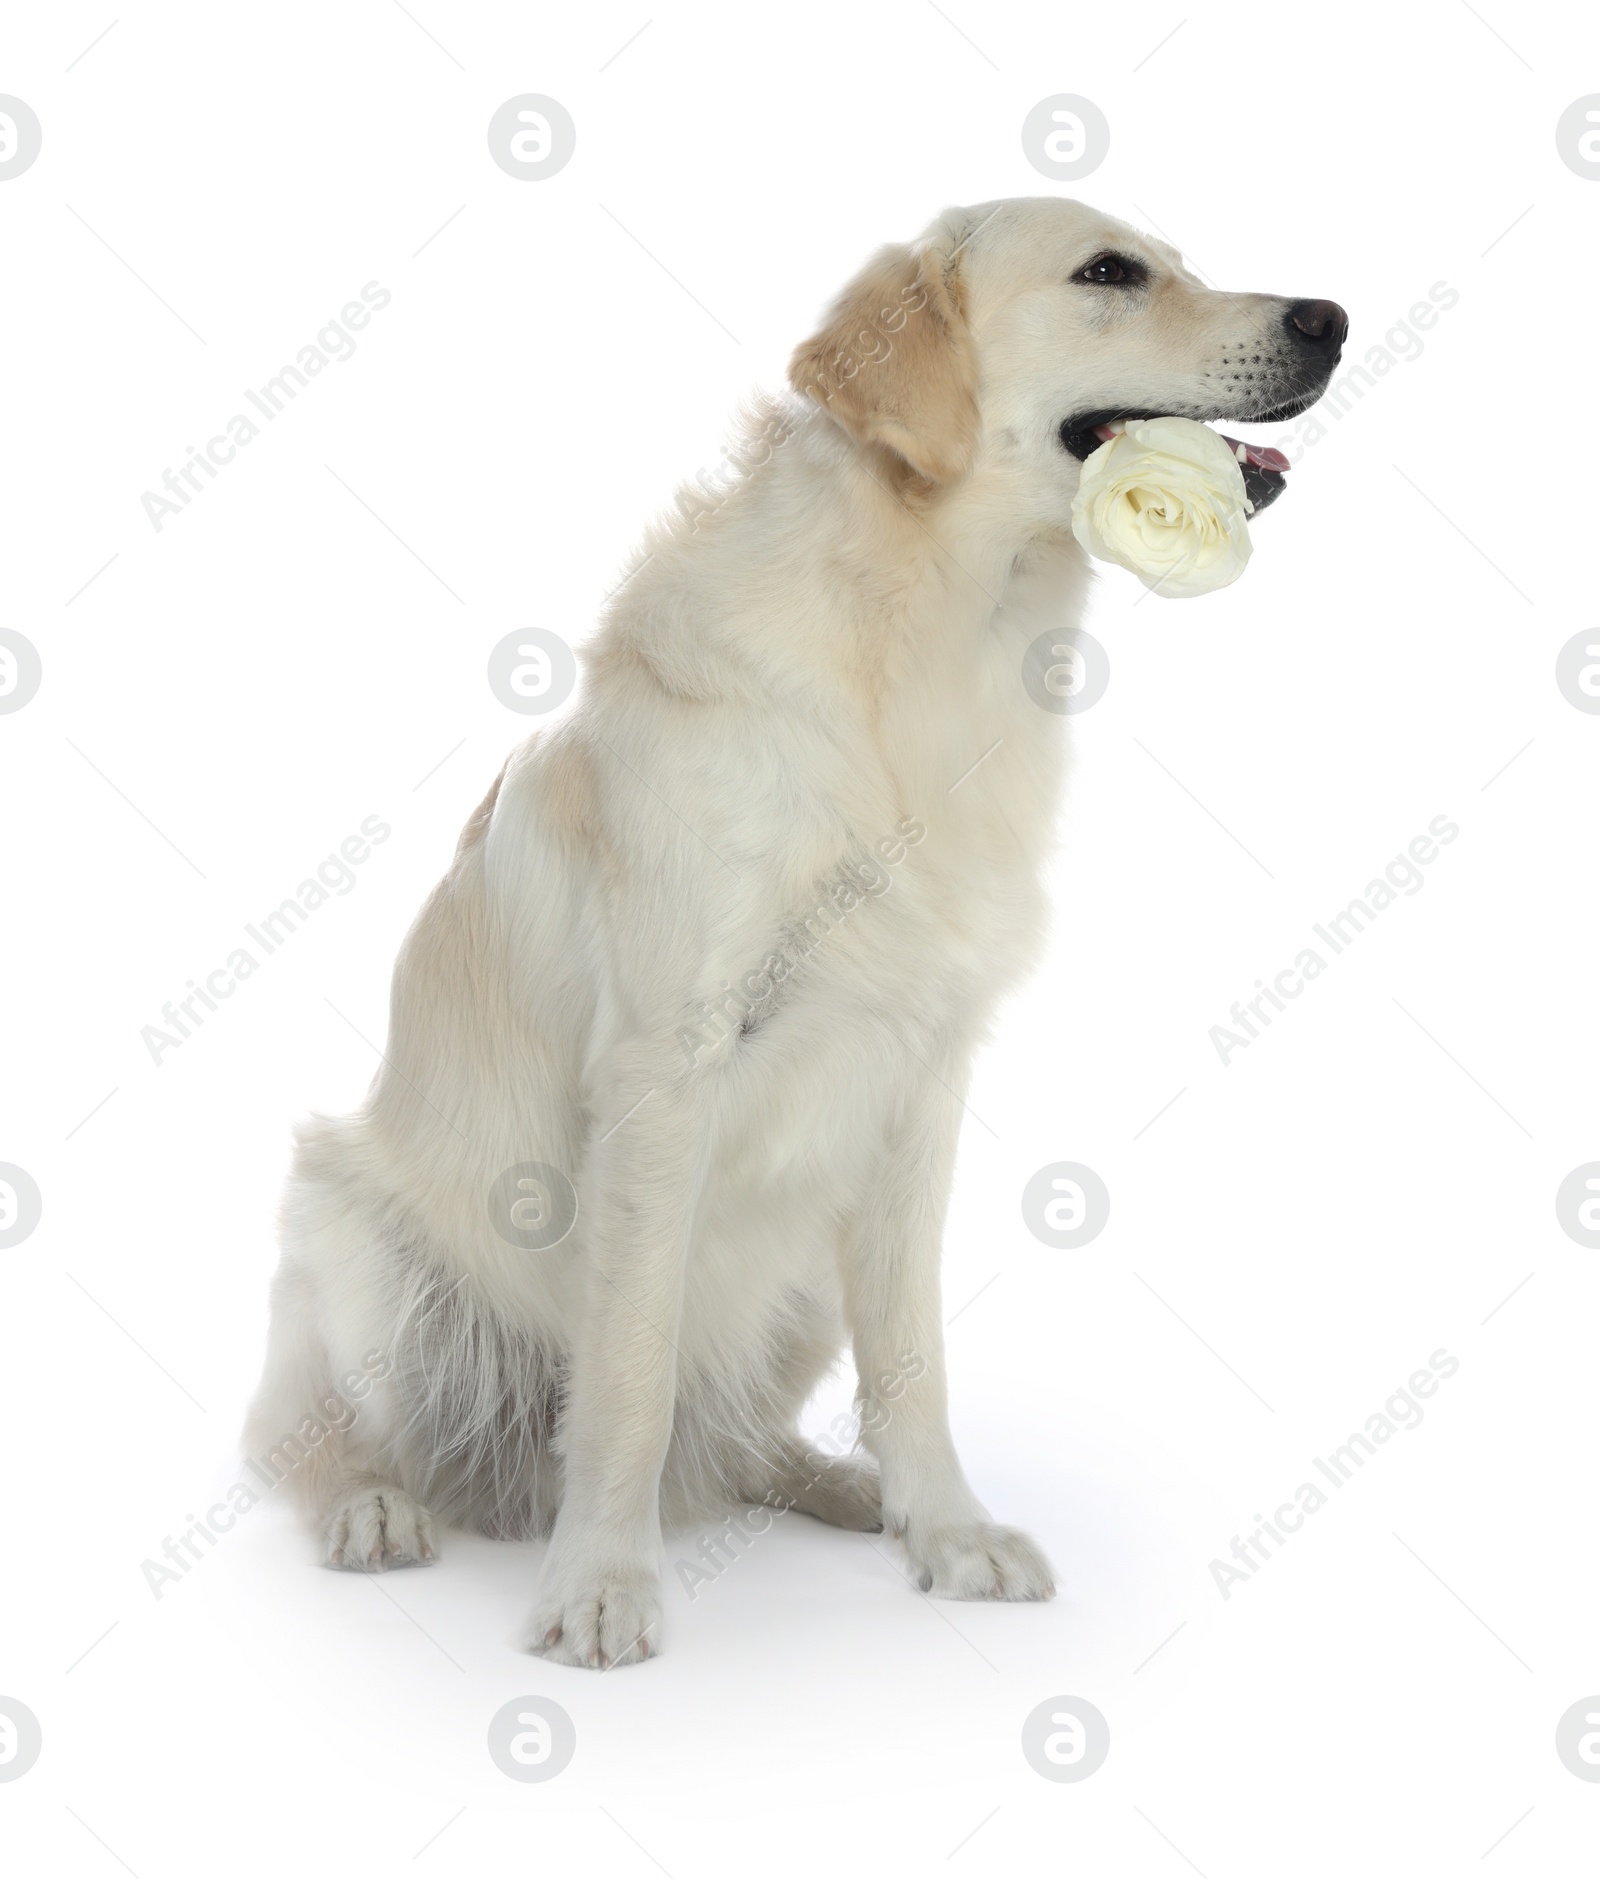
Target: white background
228,698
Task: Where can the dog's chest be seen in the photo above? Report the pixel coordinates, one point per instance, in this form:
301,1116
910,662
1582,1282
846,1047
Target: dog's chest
971,768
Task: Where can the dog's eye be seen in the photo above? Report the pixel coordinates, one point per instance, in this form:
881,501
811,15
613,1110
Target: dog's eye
1106,271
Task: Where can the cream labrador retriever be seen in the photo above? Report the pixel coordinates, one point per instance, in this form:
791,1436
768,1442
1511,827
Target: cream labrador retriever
677,1047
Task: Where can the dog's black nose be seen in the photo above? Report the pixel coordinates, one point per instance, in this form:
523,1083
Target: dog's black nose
1321,323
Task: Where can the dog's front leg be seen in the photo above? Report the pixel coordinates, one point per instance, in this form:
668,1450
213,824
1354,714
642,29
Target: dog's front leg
599,1597
891,1277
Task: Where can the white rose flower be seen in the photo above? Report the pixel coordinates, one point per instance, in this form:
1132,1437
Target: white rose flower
1165,499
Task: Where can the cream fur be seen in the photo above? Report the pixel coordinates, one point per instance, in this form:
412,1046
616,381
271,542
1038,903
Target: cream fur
792,690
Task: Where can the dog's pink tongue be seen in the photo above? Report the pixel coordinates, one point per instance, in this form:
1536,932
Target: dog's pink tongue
1260,456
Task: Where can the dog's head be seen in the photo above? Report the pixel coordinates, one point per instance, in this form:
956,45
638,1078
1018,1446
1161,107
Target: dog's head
1022,328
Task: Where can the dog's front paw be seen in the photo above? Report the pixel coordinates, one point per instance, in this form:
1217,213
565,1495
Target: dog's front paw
597,1616
373,1526
978,1560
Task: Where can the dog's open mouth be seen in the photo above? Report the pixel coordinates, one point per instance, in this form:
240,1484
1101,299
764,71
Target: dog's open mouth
1264,469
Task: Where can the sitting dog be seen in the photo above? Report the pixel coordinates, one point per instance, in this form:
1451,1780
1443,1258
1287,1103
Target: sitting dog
678,1045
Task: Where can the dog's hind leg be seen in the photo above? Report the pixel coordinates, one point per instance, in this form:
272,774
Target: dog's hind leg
843,1490
373,1525
315,1427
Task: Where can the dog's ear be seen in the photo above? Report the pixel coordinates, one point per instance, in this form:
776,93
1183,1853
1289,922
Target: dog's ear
894,363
